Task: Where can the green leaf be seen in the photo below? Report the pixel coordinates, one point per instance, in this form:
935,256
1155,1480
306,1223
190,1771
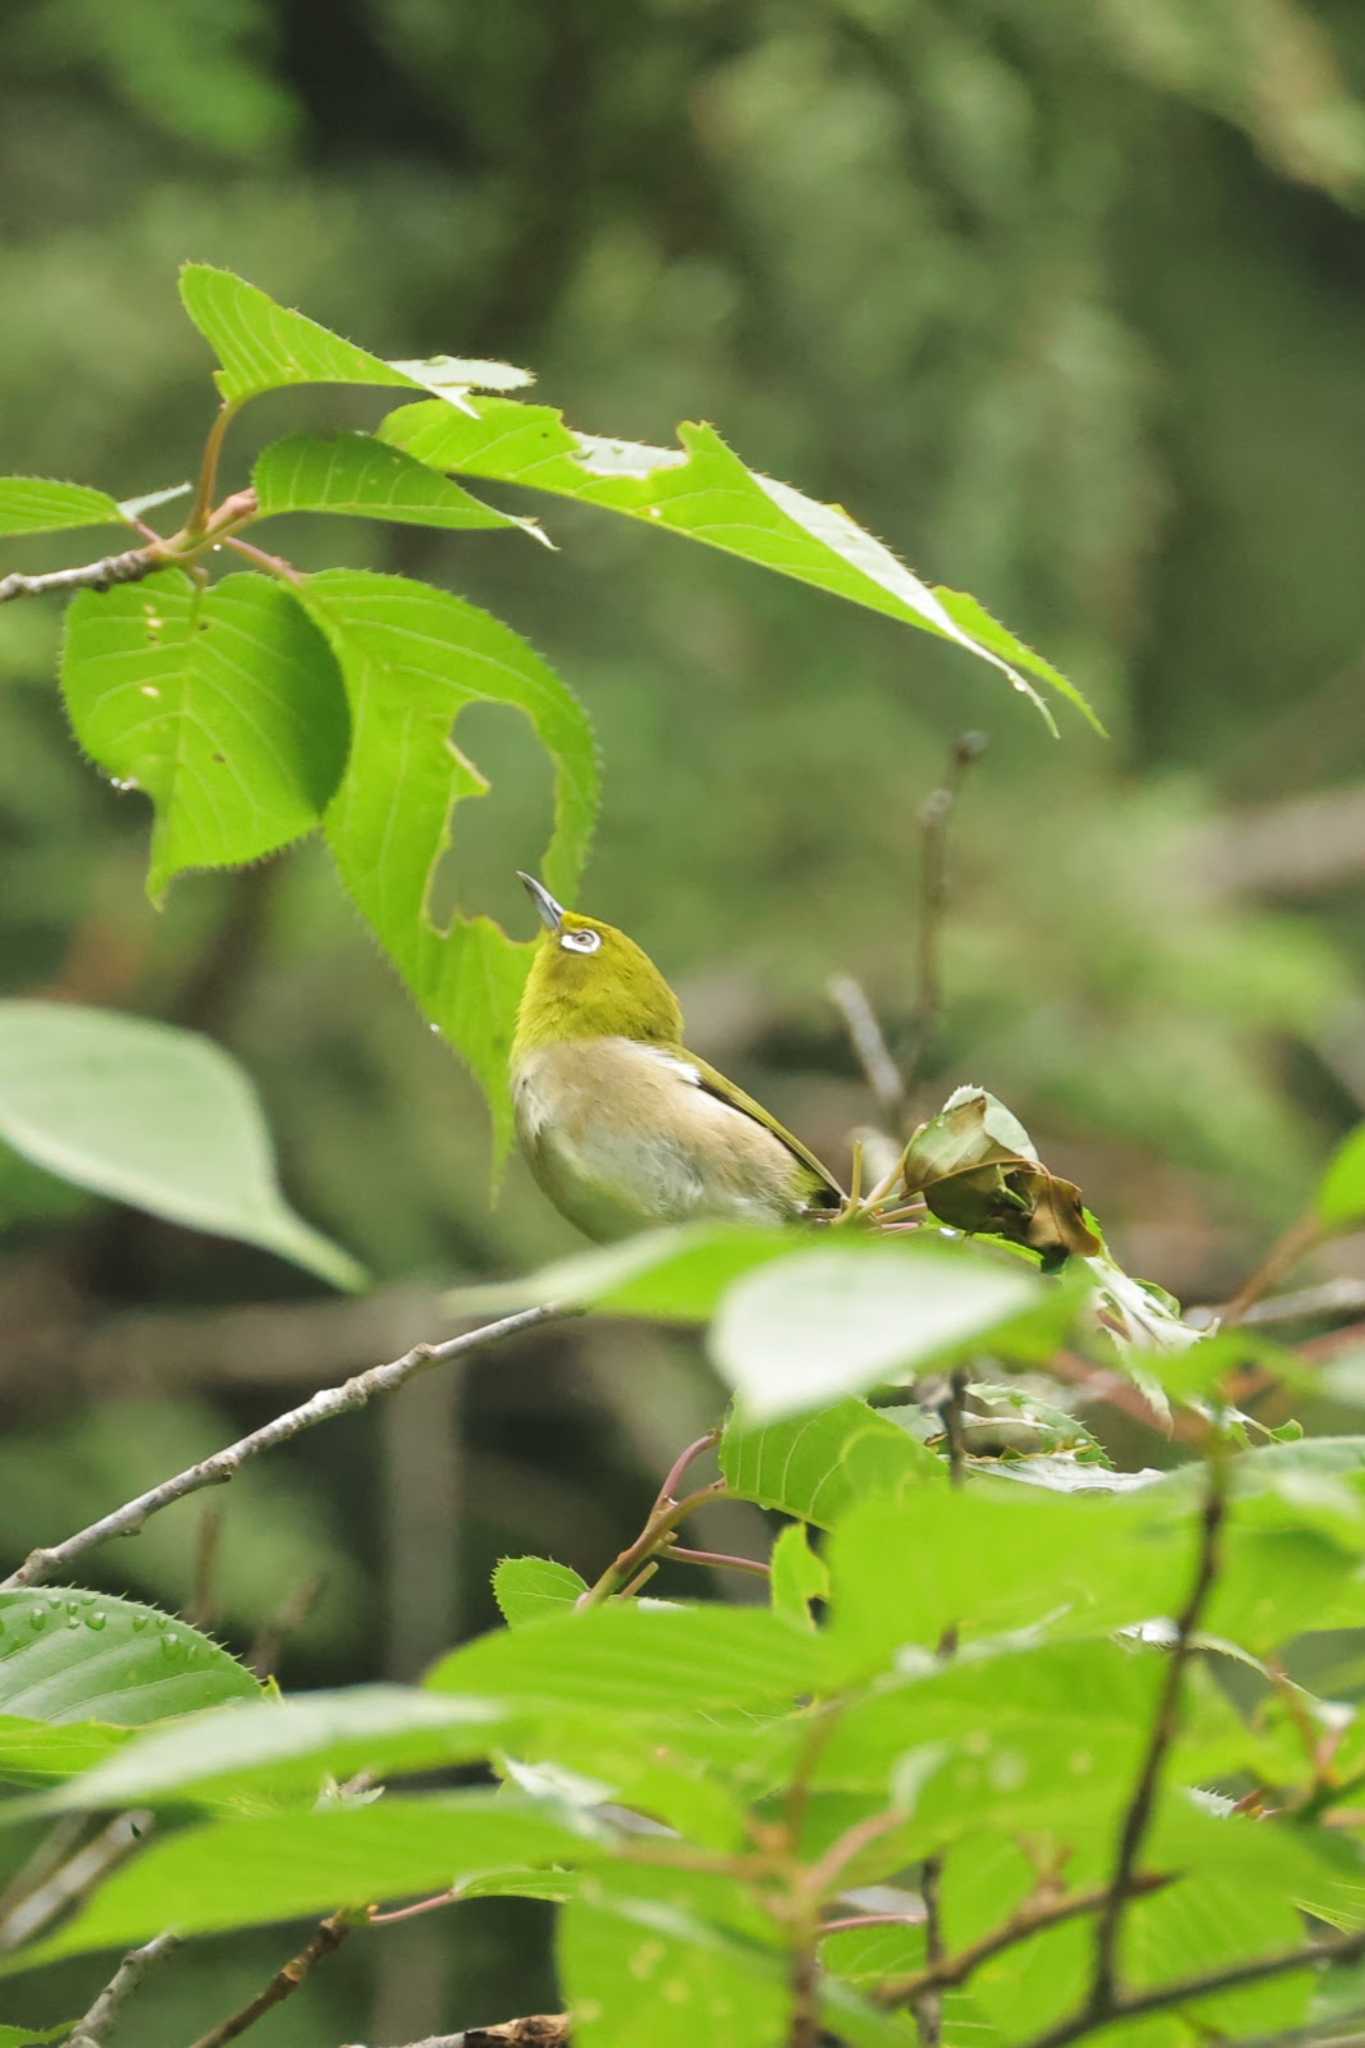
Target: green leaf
412,659
639,1657
263,346
595,1758
676,1275
798,1574
1341,1196
838,1317
704,491
34,1752
224,705
154,1116
356,475
68,1655
528,1588
822,1465
243,1873
33,504
989,1559
34,2037
1030,1735
276,1751
635,1969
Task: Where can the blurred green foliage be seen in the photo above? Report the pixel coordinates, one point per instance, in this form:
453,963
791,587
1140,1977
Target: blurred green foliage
1067,303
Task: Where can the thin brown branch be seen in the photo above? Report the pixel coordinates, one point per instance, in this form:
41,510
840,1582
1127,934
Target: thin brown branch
76,1877
128,567
1180,1991
537,2030
207,483
929,2005
285,1982
719,1560
852,1921
1295,1244
1141,1806
652,1540
868,1041
276,565
224,1465
208,1543
1045,1910
935,818
686,1458
99,2023
287,1620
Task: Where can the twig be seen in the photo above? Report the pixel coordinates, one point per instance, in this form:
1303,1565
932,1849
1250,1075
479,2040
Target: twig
1323,2033
1165,1727
207,1546
288,1618
276,564
1343,1296
56,1845
74,1878
869,1044
652,1539
99,2023
720,1560
537,2030
207,482
859,1920
686,1458
224,1465
934,818
929,2007
285,1982
1029,1919
1295,1244
418,1908
1185,1990
129,567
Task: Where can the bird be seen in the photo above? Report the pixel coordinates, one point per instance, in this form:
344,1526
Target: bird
625,1129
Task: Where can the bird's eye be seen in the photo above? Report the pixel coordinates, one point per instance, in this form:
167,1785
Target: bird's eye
580,942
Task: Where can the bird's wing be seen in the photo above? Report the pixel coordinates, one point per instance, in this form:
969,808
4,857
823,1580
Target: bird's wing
830,1193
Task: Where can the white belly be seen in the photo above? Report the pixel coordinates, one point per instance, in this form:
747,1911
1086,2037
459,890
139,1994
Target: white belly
621,1137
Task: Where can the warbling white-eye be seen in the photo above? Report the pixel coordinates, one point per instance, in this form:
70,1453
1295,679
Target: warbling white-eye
623,1127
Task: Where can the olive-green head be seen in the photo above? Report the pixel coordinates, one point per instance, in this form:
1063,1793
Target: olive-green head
589,980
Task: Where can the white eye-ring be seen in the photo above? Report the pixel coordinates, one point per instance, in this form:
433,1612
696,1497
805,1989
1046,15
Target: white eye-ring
581,942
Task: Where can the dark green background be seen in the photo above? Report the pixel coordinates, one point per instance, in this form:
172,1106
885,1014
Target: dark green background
1066,302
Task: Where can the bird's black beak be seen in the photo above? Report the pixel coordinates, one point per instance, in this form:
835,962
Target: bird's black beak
551,913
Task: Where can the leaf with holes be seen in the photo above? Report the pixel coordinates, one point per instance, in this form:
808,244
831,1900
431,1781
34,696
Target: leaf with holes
224,706
263,346
68,1655
821,1465
34,504
154,1116
412,659
702,490
798,1574
526,1588
363,478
